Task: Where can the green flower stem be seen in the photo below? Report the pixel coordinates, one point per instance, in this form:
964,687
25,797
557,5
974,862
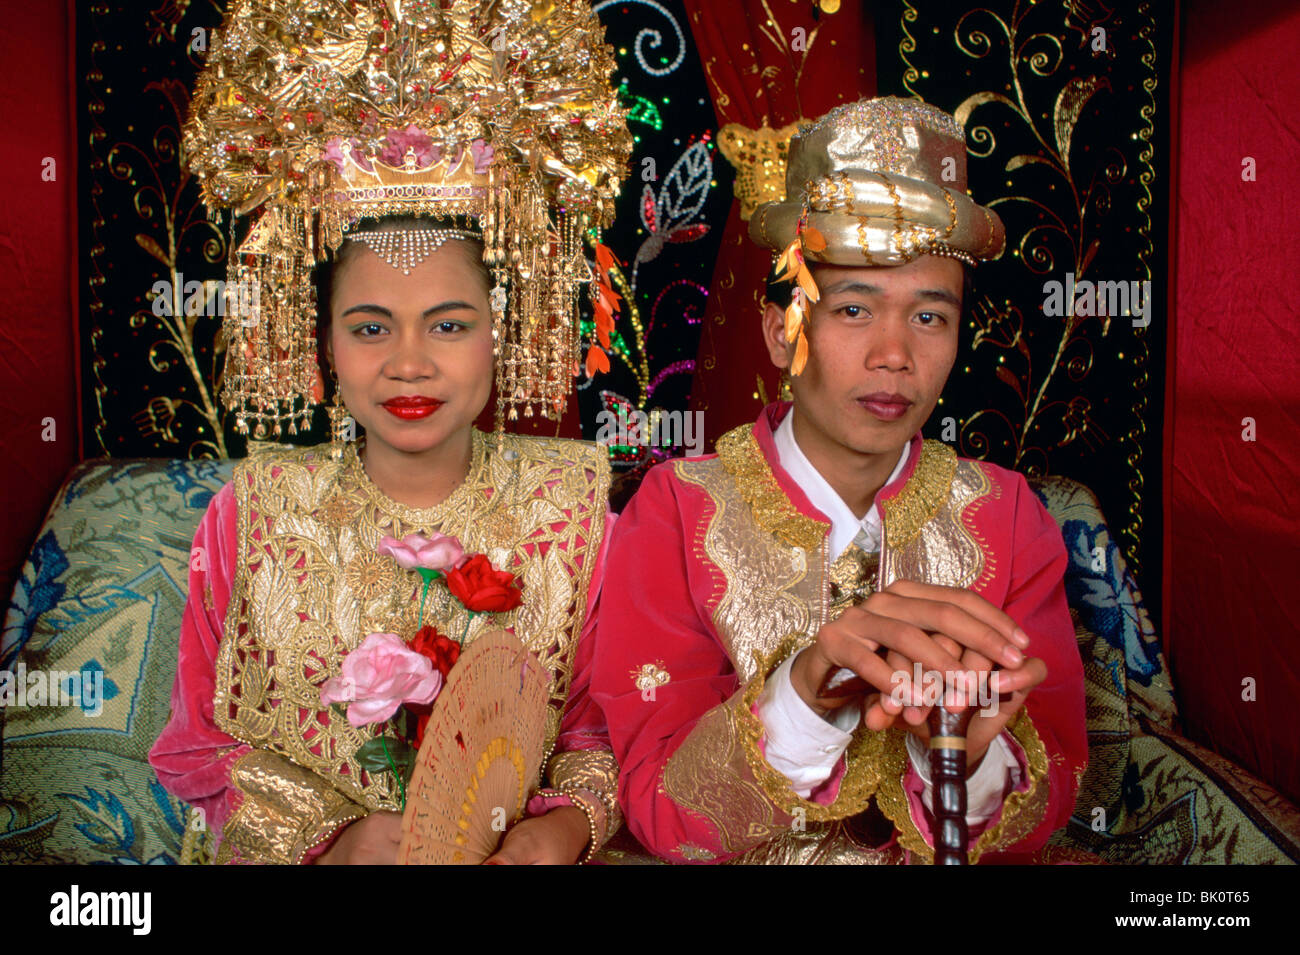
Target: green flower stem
429,577
468,621
401,784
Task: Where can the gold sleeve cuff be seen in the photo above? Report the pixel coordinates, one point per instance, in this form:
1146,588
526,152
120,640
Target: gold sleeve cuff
593,771
719,771
286,810
1022,812
861,777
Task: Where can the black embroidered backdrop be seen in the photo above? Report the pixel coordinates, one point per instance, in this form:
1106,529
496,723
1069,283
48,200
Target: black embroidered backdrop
1069,141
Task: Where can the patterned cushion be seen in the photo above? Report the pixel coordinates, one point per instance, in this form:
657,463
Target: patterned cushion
1149,795
101,594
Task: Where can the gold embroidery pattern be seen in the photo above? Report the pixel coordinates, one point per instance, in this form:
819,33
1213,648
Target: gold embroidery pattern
819,844
371,575
285,811
771,588
299,610
595,771
196,844
650,675
740,454
694,853
921,497
992,492
943,549
1022,812
852,579
720,772
708,775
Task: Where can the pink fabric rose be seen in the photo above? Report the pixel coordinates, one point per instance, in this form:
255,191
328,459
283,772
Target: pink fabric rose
439,552
378,677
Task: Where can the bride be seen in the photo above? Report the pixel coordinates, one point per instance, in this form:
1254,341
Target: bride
311,630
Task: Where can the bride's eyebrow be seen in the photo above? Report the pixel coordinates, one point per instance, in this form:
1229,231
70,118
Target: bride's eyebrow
452,306
455,305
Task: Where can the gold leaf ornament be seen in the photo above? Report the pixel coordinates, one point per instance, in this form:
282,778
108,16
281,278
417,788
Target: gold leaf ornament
793,320
800,355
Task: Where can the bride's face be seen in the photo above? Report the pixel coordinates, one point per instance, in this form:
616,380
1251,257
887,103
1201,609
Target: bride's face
413,353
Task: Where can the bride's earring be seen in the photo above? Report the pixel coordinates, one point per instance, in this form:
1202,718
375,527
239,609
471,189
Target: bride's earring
343,429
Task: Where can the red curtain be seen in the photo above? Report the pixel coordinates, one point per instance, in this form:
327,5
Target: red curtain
758,73
37,271
1233,527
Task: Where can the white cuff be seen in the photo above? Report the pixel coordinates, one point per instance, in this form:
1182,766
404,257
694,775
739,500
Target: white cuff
801,745
983,790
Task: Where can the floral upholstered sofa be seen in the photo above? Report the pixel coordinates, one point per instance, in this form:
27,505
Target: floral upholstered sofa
103,588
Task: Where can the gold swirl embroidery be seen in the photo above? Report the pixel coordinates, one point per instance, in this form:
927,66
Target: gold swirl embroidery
740,454
944,550
707,775
921,497
952,215
762,587
306,589
831,843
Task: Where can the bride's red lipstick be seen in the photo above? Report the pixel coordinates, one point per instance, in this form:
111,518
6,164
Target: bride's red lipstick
412,407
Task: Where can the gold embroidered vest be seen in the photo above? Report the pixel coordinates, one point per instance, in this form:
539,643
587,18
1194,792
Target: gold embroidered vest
310,587
775,559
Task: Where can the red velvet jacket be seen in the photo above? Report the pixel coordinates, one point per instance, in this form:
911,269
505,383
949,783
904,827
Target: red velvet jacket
718,571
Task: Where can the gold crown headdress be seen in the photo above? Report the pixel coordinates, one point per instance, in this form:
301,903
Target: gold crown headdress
317,113
877,182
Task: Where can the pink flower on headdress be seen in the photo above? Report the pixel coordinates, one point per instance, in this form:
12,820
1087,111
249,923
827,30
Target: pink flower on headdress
334,153
378,677
439,552
398,142
482,153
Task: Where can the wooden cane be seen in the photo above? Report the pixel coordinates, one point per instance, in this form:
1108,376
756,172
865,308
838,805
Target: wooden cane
948,774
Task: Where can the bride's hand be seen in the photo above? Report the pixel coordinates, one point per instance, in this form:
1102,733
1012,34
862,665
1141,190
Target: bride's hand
557,838
371,840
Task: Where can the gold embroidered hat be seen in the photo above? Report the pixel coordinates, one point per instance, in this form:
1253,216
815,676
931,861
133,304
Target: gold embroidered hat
495,116
878,182
883,181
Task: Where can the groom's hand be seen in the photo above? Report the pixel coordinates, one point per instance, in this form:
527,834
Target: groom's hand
898,626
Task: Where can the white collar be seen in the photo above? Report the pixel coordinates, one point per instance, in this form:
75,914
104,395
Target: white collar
845,526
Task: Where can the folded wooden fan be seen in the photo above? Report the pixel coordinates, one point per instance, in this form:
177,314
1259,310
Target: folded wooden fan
481,755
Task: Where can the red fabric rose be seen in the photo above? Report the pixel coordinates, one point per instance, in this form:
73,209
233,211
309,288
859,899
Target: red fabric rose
442,652
482,588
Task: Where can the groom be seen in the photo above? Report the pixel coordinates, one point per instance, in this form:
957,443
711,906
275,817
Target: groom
758,666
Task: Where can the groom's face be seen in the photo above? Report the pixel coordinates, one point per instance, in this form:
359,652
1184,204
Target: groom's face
881,344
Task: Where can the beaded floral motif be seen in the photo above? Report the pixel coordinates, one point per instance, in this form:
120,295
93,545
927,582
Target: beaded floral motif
650,676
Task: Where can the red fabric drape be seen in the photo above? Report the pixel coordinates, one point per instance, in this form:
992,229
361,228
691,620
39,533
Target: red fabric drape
755,78
1232,548
37,272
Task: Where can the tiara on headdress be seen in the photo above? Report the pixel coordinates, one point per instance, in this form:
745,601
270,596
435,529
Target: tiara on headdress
314,114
